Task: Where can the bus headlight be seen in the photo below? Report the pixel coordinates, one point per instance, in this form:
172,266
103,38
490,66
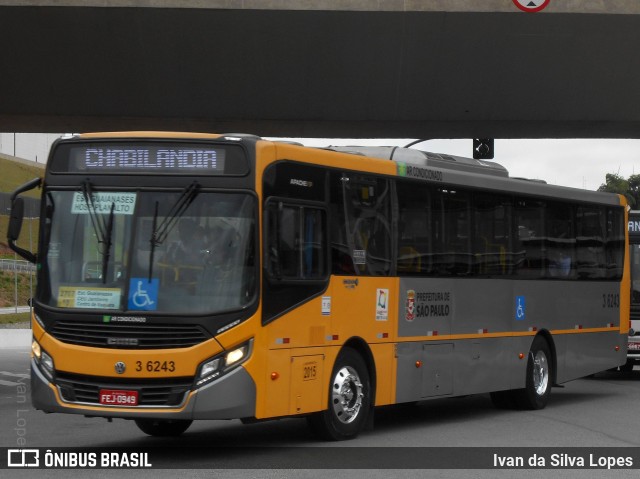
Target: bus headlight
43,360
221,364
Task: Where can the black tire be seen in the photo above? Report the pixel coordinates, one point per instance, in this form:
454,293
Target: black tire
163,427
535,394
349,399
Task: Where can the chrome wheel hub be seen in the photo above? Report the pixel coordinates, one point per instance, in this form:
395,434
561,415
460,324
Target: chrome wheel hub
540,373
347,394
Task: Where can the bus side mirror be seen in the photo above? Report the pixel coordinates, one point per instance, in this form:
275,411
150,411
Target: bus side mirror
15,221
17,216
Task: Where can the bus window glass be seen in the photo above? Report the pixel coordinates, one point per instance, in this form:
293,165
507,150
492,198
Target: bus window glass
199,260
590,245
366,202
529,220
492,237
615,243
413,229
561,241
296,244
451,232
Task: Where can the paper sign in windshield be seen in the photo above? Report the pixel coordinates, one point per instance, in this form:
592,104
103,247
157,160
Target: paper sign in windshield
94,298
102,201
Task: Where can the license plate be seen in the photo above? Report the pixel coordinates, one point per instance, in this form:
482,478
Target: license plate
110,397
634,347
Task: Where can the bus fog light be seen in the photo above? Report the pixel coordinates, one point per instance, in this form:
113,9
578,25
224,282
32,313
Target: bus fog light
47,364
43,360
209,368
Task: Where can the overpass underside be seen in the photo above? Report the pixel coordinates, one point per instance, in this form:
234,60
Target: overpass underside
423,73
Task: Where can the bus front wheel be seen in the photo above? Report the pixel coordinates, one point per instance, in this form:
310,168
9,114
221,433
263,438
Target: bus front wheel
163,427
349,399
535,394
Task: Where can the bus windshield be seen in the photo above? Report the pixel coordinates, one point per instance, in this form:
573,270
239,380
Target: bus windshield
186,251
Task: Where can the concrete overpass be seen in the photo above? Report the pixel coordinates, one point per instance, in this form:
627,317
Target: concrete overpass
323,68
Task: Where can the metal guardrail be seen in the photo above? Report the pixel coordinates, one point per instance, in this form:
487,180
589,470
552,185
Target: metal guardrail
18,265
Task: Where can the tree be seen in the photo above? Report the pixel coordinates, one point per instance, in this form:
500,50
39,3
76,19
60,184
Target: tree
630,188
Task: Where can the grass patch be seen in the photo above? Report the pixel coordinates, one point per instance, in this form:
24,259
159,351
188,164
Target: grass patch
7,288
15,318
15,174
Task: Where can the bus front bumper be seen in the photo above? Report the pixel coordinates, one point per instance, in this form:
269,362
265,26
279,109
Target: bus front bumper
232,396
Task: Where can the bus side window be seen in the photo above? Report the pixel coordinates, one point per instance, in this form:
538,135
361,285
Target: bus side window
413,229
615,243
451,230
295,242
529,250
590,244
492,238
366,201
561,241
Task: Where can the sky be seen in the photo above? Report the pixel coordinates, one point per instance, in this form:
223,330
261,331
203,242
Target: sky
579,163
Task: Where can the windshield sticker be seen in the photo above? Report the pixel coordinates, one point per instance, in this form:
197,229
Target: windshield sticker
123,203
54,250
359,256
94,298
143,294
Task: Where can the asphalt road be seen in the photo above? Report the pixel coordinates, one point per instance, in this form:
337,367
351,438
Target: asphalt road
592,413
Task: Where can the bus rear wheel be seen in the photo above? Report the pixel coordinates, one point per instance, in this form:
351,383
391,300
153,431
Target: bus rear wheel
163,427
349,399
535,394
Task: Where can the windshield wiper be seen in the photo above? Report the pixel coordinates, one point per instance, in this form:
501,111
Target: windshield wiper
103,228
98,225
107,244
159,233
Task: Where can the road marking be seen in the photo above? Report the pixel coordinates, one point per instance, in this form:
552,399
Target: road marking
16,375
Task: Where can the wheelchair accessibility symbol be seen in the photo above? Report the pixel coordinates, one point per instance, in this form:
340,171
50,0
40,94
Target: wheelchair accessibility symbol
143,294
520,308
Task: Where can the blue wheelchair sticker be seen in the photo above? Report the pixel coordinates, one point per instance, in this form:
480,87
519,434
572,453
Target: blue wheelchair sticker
143,294
520,308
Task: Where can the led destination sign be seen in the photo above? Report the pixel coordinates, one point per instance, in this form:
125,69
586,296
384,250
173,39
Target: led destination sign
147,157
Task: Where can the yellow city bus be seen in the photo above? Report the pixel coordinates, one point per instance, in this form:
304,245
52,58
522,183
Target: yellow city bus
194,276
